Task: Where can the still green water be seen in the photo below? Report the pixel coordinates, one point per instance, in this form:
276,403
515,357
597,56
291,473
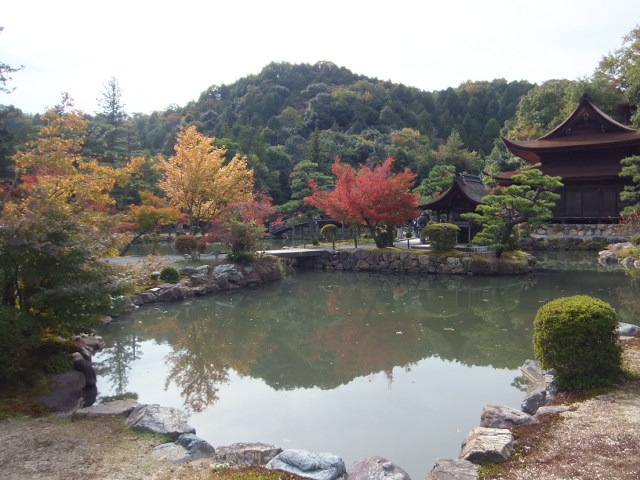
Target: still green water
355,364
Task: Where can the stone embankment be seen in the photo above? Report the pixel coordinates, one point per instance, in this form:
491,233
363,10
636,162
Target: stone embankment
462,263
586,237
616,254
187,446
493,440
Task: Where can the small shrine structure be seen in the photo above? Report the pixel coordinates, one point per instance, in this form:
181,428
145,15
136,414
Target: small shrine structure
462,197
585,150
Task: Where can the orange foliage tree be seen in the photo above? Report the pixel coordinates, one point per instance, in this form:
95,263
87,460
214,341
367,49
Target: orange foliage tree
373,197
200,182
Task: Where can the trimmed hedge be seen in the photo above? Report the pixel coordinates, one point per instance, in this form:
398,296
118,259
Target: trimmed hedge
577,336
443,236
169,274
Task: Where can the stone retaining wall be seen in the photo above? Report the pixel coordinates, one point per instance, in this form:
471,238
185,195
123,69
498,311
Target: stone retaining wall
407,262
557,236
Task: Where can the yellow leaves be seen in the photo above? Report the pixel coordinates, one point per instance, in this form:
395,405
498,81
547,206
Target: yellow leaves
198,181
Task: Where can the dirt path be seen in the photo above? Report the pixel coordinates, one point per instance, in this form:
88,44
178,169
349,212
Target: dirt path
89,449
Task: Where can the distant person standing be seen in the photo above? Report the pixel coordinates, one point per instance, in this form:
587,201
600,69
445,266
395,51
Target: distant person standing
421,222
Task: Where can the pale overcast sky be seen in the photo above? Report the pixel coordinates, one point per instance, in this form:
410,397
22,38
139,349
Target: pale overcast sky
165,53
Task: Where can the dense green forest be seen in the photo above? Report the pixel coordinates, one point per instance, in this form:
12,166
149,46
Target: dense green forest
292,120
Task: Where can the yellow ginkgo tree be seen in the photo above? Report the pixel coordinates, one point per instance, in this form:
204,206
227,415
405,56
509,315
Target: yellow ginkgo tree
200,182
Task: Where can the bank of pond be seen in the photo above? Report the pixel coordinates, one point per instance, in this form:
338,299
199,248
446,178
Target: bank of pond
353,363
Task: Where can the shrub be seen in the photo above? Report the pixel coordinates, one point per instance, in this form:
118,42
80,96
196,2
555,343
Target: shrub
169,274
443,236
330,232
187,245
577,337
635,239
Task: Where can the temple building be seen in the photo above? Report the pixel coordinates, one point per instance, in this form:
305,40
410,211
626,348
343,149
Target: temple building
585,150
463,196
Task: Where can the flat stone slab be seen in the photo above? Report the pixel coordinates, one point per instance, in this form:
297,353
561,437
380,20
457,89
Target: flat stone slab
376,468
157,419
546,410
116,408
494,416
318,466
487,445
247,454
446,469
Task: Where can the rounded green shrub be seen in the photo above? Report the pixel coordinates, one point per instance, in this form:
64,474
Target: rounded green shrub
330,232
635,239
577,337
443,236
169,274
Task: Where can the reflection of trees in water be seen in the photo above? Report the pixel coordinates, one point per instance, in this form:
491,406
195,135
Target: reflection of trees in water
325,329
115,361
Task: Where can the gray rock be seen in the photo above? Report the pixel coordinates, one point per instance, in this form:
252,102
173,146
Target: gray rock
148,297
445,469
229,272
627,329
66,394
319,466
203,270
532,370
194,447
197,280
535,398
607,256
157,419
123,304
80,364
376,468
247,454
494,416
187,271
551,410
170,294
627,262
487,445
121,408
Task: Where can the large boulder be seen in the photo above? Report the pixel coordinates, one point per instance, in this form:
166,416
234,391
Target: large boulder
446,469
494,416
164,420
318,466
487,445
376,468
66,395
247,454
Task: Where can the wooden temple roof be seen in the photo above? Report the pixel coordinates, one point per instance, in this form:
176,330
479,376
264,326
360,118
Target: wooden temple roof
465,187
586,128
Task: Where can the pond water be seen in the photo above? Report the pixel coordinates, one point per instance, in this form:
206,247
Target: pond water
355,364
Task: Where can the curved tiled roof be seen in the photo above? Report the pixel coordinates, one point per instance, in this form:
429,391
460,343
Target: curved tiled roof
587,127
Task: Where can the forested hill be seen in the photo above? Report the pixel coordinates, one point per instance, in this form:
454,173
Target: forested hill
271,117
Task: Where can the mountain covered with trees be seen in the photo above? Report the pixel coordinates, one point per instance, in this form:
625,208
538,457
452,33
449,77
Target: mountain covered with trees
292,120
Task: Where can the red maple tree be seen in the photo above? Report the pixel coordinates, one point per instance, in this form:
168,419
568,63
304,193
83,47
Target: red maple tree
374,198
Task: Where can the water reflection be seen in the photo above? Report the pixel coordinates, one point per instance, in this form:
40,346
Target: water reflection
324,330
405,362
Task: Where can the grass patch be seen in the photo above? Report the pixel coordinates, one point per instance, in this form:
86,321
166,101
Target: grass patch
249,473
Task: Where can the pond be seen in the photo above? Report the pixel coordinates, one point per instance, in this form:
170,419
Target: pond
355,364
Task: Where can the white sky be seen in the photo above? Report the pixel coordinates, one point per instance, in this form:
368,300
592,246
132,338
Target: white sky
165,53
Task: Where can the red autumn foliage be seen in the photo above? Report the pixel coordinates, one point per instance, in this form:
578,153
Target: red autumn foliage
371,197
